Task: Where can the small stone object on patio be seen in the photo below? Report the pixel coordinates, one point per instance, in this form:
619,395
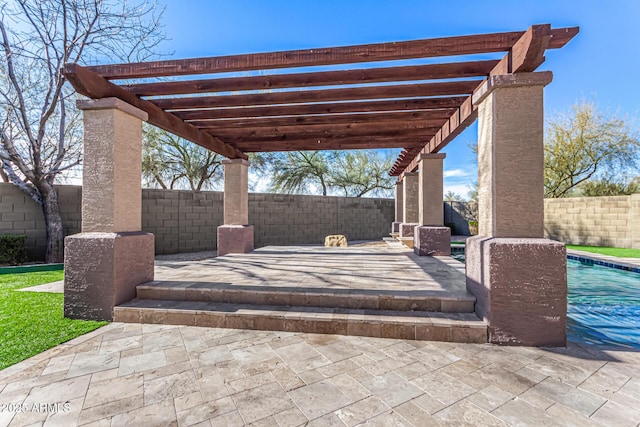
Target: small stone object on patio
336,240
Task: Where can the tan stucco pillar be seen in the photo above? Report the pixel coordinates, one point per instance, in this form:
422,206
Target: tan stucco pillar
410,187
105,263
517,276
431,237
236,235
236,192
395,226
431,189
112,166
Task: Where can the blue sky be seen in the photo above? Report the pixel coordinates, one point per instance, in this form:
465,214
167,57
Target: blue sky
600,64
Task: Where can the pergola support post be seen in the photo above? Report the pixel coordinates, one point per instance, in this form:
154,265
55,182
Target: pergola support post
410,189
236,235
111,256
518,277
395,226
431,237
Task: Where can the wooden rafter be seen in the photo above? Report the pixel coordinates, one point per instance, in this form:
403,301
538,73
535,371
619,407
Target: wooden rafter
429,48
306,96
526,55
275,131
380,105
94,86
341,133
345,143
326,78
448,103
432,117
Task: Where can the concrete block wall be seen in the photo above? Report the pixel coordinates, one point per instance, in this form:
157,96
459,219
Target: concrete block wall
596,221
184,221
19,214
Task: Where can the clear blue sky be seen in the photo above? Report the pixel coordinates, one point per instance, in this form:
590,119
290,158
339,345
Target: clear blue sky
600,63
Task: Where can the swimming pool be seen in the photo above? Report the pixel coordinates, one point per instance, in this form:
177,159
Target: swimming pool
603,304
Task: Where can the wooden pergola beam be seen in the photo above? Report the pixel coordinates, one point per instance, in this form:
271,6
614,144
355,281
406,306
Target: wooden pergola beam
326,78
424,133
447,46
326,95
423,104
432,117
274,131
95,86
359,143
459,121
526,55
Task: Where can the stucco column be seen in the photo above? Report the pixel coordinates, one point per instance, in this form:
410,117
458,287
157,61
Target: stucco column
517,276
410,202
236,235
431,237
105,263
395,226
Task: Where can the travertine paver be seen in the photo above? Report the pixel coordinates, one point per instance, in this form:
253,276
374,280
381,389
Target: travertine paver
132,374
311,268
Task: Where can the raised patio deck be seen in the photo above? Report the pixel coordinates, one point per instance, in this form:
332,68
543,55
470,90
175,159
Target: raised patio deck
360,290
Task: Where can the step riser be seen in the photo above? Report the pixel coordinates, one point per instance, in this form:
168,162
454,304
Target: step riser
320,324
367,302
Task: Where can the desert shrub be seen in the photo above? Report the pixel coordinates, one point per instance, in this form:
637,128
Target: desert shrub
12,249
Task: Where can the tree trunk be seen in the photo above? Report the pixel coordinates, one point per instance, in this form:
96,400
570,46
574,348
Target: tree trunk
53,223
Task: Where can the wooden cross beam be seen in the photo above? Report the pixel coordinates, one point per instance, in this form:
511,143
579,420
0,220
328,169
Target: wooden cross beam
94,86
432,117
428,48
346,143
326,78
526,55
338,129
326,95
443,104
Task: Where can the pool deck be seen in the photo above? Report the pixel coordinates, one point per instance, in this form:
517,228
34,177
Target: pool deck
630,263
141,374
132,374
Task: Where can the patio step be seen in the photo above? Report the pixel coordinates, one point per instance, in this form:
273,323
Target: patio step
294,296
420,325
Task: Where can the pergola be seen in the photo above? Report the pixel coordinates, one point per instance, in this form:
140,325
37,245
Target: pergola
391,107
419,107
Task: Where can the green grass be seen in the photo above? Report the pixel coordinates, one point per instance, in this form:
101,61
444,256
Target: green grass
32,322
602,250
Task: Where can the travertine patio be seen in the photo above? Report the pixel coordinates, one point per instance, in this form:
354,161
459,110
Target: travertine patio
379,291
132,374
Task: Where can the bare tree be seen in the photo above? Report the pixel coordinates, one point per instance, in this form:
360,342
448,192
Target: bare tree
296,171
40,127
173,162
362,172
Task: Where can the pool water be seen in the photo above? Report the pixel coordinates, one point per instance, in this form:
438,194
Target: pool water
603,304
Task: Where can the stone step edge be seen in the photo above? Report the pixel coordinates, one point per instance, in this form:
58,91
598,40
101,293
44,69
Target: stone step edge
353,300
428,326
